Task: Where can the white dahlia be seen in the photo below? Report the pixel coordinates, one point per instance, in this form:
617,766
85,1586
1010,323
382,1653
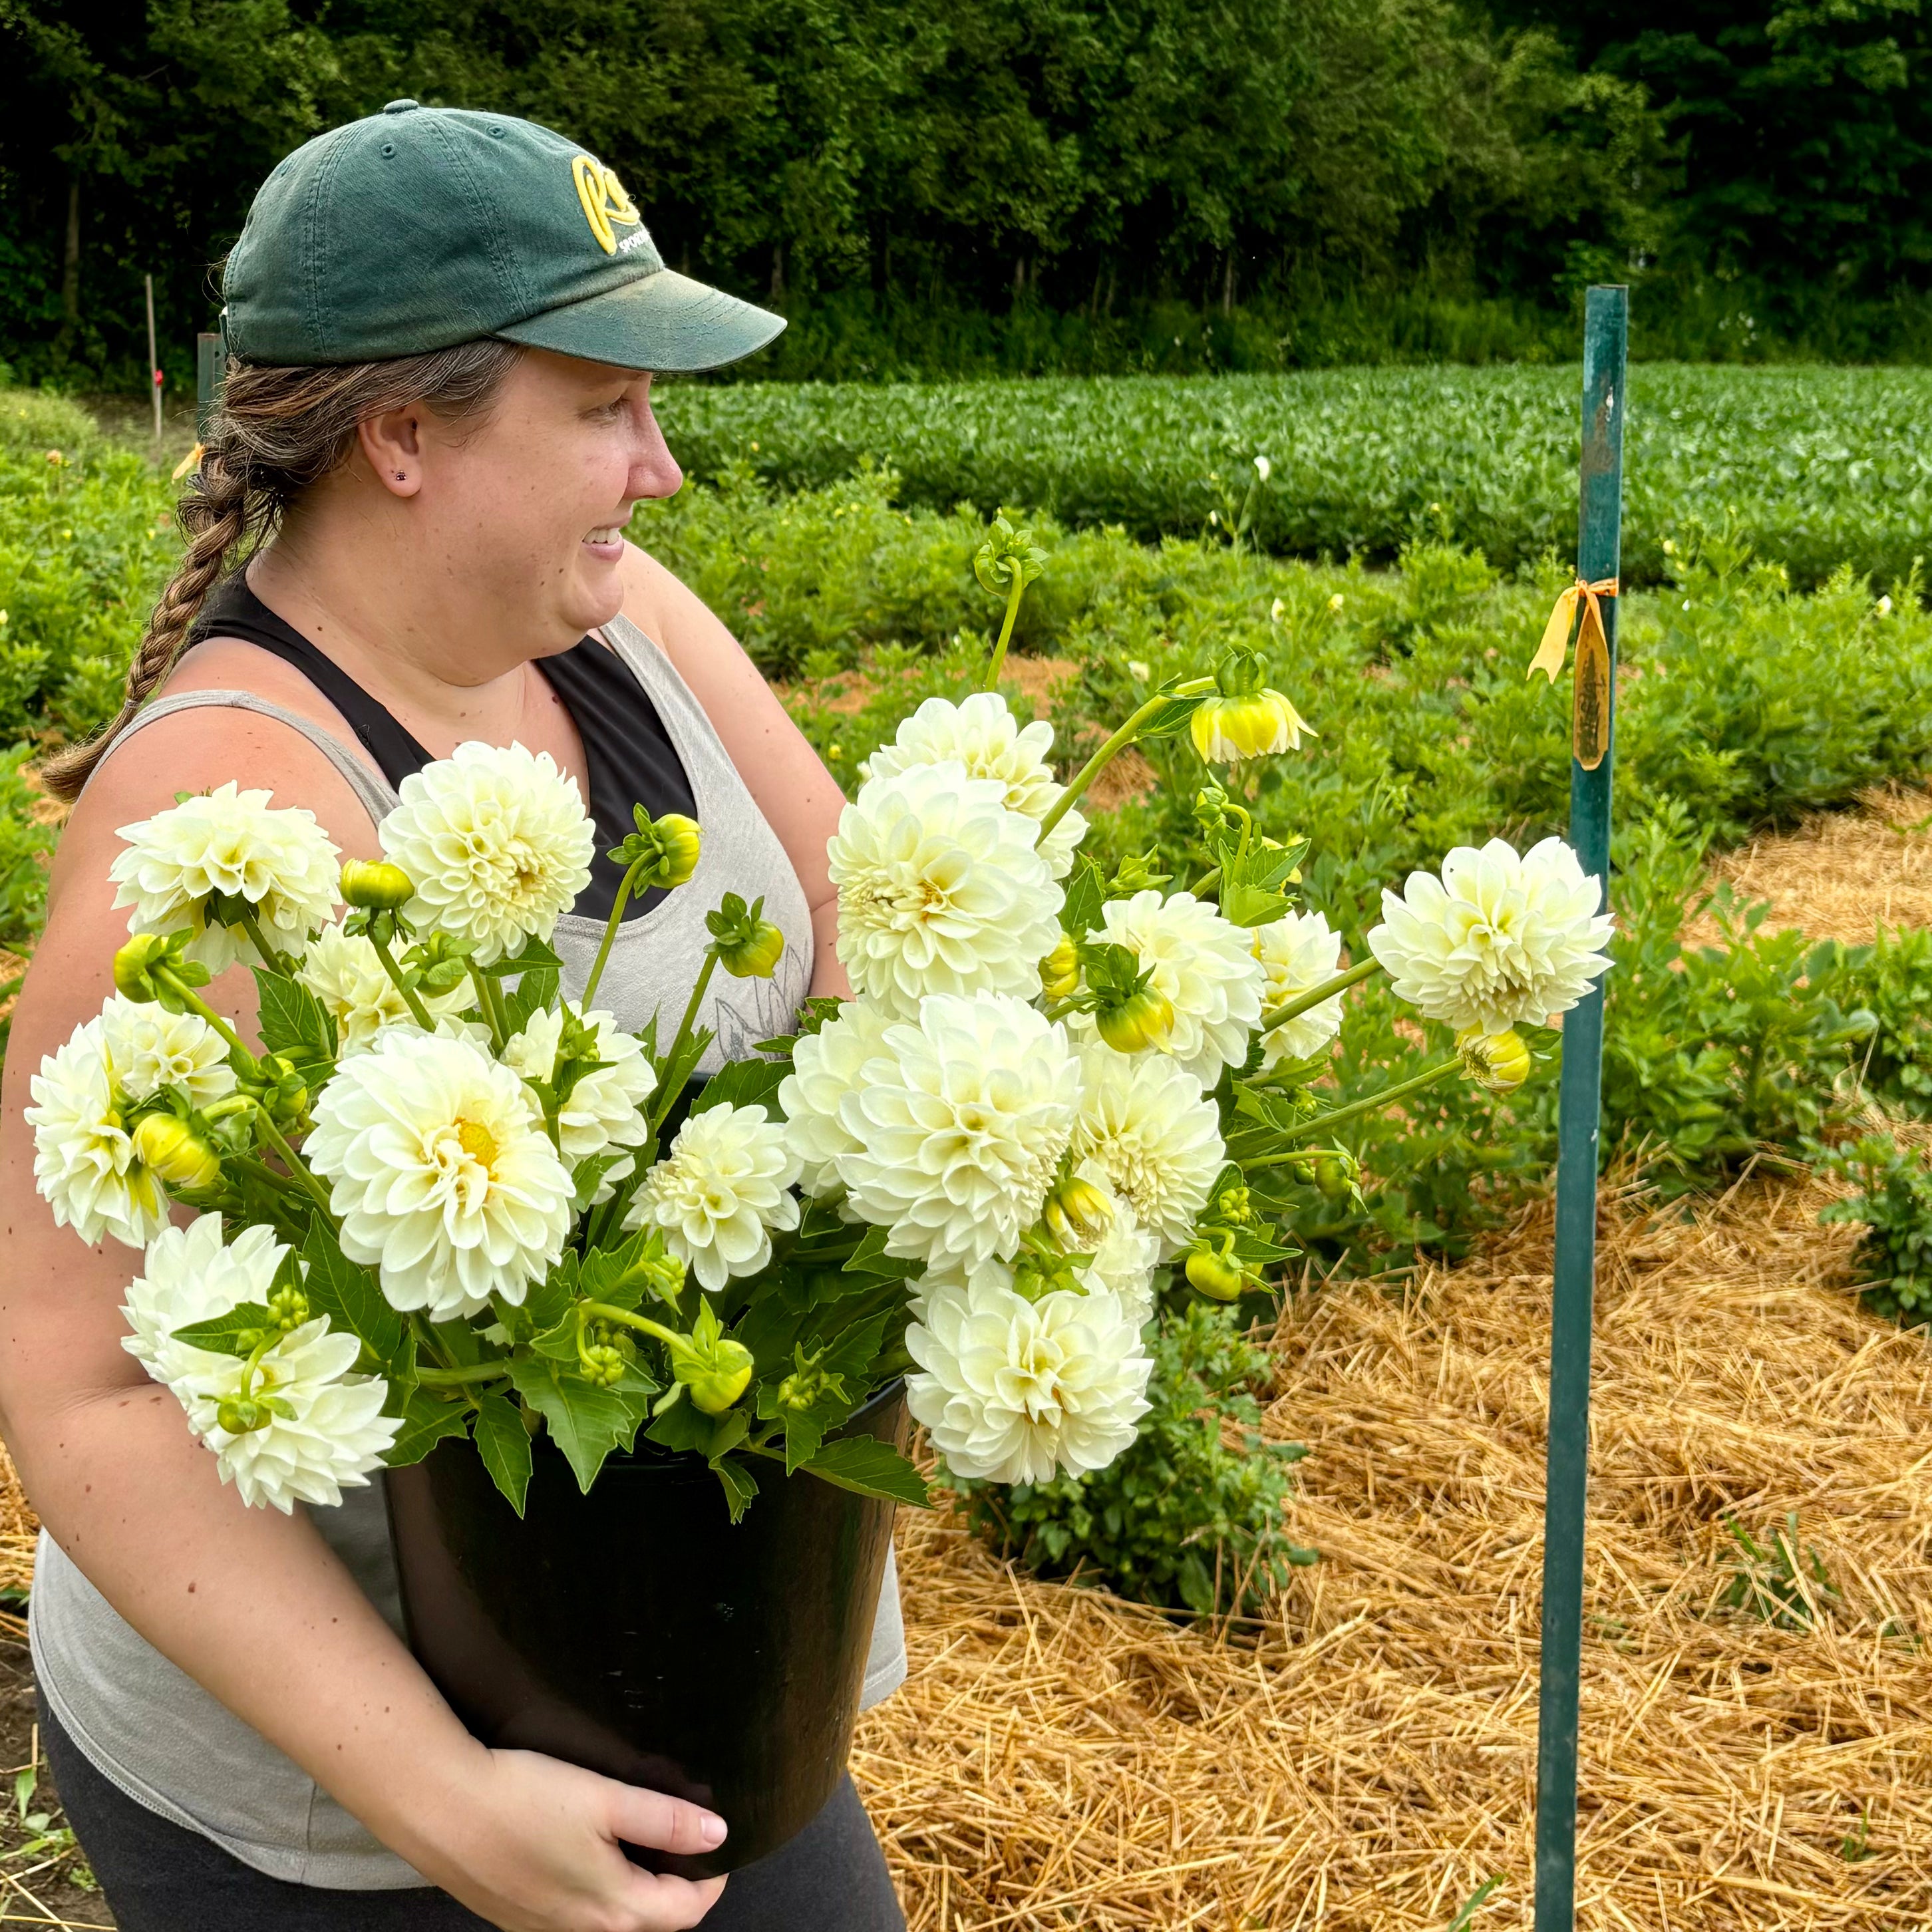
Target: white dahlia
983,735
342,972
1297,953
228,841
1147,1130
321,1428
189,1276
1206,969
1016,1391
84,1163
957,1126
497,842
1498,940
940,889
1124,1260
148,1050
604,1108
723,1186
441,1173
825,1067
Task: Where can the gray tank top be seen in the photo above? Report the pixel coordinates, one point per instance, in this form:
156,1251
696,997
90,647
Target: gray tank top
144,1723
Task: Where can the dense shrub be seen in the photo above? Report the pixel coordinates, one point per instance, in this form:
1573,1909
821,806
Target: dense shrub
1894,1204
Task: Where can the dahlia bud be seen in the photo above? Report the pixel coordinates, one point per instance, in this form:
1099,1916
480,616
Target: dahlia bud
374,885
1219,1277
242,1416
172,1149
1332,1177
662,851
1078,1213
1499,1061
1142,1019
1060,970
133,963
1227,730
290,1308
747,945
602,1365
717,1376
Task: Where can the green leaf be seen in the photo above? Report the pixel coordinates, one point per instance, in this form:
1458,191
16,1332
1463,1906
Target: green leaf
220,1334
588,1175
1173,716
1086,897
428,1419
504,1444
546,1303
744,1083
586,1423
870,1257
533,956
683,1428
872,1467
536,992
348,1295
740,1485
292,1022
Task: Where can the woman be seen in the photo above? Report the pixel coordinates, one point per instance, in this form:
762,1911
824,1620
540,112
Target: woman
435,427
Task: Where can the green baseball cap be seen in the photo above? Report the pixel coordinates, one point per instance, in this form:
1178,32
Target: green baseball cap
419,228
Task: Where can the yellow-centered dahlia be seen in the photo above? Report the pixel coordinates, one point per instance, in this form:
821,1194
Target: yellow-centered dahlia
1298,953
1204,967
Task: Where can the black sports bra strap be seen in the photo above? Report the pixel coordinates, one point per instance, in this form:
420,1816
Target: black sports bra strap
234,611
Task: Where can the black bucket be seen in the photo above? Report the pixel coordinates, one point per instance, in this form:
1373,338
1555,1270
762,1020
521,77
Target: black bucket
638,1632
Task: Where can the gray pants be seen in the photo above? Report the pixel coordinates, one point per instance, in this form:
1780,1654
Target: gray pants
159,1877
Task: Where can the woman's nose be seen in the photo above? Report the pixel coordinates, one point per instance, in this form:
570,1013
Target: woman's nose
654,470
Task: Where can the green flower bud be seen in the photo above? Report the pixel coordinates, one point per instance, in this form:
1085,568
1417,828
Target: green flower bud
1232,1205
716,1377
1499,1061
374,885
1078,1213
1060,970
749,946
1141,1020
1217,1275
663,851
289,1307
1332,1177
243,1417
133,962
602,1364
175,1153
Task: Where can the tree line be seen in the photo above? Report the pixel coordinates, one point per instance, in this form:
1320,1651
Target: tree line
1034,182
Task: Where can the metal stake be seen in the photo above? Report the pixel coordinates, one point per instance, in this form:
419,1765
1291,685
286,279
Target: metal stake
154,358
1606,323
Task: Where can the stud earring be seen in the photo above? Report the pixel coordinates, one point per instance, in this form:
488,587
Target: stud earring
401,476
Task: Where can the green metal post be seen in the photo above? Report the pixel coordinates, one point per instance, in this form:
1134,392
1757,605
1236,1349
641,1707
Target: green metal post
1606,322
210,361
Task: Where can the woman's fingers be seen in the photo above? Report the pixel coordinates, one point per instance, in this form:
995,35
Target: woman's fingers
641,1817
673,1904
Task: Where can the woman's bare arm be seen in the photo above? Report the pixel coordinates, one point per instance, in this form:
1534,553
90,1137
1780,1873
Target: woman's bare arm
799,798
253,1604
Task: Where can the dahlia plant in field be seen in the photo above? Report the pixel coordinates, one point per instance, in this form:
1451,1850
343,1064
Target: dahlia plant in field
447,1198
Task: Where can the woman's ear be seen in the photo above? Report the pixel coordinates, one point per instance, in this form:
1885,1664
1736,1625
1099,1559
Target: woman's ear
392,447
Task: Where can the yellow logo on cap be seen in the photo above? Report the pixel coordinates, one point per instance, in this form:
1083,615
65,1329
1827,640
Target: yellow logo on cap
604,200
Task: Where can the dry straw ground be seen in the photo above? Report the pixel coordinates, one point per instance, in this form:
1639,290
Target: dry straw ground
1364,1759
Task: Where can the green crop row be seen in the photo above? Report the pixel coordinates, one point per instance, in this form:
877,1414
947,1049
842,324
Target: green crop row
1813,468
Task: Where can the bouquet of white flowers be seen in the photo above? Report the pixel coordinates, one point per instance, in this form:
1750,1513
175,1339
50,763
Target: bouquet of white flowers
444,1199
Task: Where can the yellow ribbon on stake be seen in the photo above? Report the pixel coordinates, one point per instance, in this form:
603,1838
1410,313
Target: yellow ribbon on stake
1590,716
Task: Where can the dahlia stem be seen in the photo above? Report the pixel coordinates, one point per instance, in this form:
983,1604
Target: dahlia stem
1370,1103
298,1167
496,1370
1301,1004
167,976
672,1090
609,933
489,997
1195,687
602,1311
1013,597
252,925
419,1011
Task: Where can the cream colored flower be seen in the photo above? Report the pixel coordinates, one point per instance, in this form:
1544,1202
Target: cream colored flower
322,1428
342,972
228,841
957,1126
1204,967
1016,1391
188,1277
604,1109
148,1050
497,841
1297,954
441,1173
940,889
826,1066
1123,1263
1146,1128
1498,940
983,734
84,1163
718,1195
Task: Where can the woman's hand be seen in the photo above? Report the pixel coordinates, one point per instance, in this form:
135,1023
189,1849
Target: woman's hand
533,1845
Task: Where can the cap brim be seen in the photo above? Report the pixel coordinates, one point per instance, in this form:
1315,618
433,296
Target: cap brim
663,320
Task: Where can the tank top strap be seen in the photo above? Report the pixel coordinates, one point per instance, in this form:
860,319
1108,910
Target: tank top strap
372,793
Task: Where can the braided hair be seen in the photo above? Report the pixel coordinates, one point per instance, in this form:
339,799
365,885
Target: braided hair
274,433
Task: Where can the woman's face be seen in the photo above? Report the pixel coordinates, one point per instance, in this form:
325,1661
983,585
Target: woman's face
526,511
